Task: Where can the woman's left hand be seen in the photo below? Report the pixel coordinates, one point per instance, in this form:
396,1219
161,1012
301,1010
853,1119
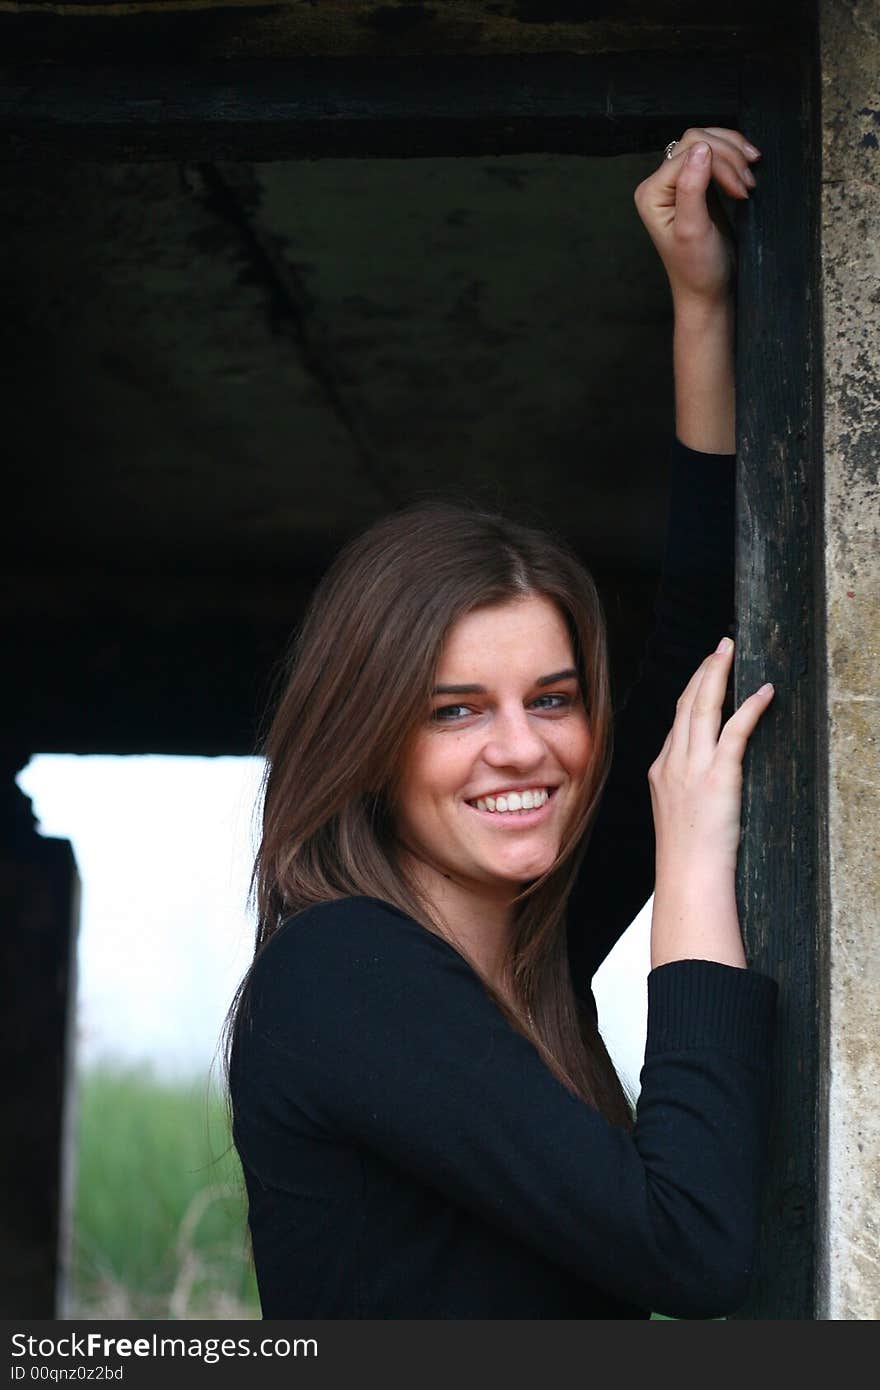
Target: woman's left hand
684,217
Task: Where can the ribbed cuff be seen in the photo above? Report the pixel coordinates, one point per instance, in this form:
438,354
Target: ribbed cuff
703,1004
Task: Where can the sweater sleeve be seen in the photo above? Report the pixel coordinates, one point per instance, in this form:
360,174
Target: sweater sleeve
693,609
380,1034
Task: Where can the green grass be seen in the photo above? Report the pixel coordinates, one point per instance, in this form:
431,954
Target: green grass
160,1212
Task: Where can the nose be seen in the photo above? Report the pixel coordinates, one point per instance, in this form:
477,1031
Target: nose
514,741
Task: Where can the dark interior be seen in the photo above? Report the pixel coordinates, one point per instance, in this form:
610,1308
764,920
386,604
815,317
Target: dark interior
216,373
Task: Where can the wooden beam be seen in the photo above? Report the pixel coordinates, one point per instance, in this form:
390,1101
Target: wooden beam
779,569
148,31
323,107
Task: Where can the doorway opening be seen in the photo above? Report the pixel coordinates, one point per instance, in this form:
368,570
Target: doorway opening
156,1219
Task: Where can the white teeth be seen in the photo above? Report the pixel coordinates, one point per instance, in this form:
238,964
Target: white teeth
514,801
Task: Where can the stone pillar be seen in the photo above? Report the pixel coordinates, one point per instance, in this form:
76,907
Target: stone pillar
39,902
849,1156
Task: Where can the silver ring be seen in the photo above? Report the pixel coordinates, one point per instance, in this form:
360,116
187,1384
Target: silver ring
670,147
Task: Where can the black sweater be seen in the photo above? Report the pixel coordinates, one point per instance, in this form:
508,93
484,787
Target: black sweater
406,1152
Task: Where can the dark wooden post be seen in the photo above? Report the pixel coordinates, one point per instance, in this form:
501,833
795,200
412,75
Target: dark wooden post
779,566
39,888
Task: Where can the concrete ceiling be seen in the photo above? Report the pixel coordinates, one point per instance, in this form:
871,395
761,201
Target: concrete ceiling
229,369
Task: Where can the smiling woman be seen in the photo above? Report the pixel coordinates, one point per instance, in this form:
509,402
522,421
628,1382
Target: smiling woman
370,771
428,1121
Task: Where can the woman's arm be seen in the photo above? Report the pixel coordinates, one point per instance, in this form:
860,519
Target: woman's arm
694,605
683,215
696,780
702,354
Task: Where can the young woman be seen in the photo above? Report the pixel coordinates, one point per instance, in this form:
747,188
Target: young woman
428,1122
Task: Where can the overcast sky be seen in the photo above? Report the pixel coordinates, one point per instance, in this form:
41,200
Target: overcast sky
164,849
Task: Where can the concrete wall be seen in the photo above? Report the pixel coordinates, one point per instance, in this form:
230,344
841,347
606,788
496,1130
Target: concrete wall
849,1285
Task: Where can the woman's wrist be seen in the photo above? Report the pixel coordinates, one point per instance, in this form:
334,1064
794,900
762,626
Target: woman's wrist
703,362
705,311
695,914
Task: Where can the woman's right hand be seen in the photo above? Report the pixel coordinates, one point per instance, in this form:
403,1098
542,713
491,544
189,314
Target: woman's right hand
696,779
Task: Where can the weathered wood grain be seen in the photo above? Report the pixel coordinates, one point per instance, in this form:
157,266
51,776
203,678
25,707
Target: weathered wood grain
779,570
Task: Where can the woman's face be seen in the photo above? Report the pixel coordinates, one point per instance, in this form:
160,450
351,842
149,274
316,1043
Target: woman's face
507,724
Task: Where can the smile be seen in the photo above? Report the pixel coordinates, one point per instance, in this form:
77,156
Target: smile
515,807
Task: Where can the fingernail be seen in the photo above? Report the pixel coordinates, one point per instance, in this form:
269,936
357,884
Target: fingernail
752,151
749,178
724,645
766,689
699,153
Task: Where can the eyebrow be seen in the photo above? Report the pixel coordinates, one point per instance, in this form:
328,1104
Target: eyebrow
568,674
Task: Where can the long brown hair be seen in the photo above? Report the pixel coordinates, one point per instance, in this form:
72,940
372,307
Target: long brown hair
359,684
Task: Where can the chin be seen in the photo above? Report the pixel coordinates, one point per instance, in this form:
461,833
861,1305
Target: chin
528,868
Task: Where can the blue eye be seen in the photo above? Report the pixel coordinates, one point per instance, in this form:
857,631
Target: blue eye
446,714
562,701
